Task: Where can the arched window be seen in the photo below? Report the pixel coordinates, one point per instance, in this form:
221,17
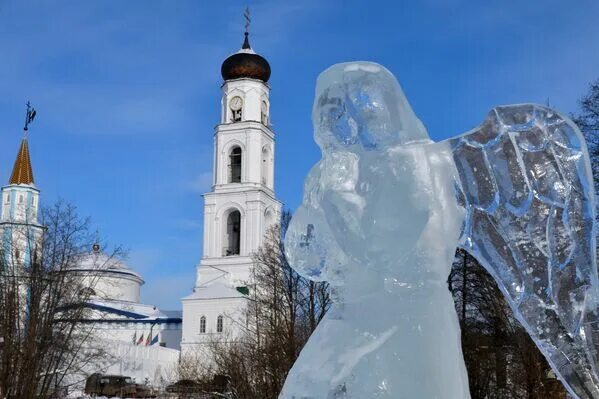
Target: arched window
265,166
219,324
202,324
233,236
235,165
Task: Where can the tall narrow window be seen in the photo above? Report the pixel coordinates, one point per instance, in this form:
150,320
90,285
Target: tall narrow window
21,199
235,165
265,164
7,199
219,324
233,233
202,324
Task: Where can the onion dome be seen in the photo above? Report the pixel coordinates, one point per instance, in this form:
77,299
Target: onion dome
245,64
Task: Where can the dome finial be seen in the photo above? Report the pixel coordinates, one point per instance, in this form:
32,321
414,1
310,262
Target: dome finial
246,41
246,15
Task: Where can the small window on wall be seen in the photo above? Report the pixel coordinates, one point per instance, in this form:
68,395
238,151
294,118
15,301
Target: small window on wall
7,200
219,324
21,199
202,324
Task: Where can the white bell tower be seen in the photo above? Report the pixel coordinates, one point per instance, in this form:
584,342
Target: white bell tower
20,230
241,205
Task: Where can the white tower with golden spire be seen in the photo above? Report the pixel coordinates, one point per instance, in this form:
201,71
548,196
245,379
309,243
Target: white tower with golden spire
241,205
20,230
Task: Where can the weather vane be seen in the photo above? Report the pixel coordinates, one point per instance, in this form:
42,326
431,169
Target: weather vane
246,15
30,116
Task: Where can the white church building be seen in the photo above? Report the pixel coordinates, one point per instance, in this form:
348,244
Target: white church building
241,205
140,340
145,342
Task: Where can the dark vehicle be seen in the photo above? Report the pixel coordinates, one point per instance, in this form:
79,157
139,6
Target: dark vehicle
184,387
219,388
116,385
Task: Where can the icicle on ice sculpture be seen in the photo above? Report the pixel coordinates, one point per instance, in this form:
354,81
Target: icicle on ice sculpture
383,212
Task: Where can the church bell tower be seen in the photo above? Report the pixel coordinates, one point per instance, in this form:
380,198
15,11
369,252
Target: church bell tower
242,203
19,226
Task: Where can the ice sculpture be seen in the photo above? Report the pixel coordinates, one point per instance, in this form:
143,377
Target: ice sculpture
383,212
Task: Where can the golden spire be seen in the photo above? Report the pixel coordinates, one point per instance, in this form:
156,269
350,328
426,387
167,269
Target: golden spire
22,173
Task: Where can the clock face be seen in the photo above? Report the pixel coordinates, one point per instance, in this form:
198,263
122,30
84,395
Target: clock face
235,103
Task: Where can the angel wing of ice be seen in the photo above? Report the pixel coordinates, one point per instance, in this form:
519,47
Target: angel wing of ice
526,184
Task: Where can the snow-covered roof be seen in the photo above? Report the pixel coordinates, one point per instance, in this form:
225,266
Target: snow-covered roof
130,310
100,262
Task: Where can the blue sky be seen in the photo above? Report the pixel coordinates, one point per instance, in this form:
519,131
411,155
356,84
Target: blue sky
127,94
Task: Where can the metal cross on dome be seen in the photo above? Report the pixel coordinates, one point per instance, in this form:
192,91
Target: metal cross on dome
246,15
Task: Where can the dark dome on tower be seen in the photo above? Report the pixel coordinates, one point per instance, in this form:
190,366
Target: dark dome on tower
245,64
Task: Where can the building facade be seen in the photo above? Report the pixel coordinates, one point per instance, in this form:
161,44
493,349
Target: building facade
139,340
116,311
240,207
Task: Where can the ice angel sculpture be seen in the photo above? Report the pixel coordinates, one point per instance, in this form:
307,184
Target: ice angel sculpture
383,212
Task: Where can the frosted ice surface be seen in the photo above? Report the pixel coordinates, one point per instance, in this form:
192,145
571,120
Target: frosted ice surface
383,212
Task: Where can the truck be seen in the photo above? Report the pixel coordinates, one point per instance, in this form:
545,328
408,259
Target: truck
116,386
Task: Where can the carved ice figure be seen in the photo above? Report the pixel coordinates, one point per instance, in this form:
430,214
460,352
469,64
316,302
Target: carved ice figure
383,212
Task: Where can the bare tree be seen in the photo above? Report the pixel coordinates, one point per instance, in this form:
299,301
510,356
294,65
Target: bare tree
587,120
283,310
42,341
502,360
